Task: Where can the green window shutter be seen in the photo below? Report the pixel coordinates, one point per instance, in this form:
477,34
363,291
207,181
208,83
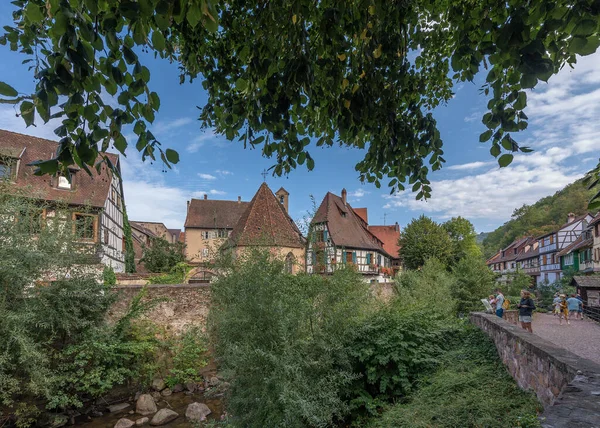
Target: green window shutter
354,257
325,235
369,258
344,256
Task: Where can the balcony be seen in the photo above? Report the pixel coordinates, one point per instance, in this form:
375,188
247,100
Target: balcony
587,266
547,248
532,270
550,267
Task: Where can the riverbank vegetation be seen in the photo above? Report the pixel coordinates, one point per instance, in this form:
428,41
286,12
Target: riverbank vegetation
308,350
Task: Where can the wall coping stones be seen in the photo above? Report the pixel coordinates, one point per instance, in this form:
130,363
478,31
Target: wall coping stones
567,385
140,286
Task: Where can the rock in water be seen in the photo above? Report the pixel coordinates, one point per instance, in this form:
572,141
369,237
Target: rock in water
197,412
166,392
145,405
142,421
164,416
158,384
178,388
117,407
124,423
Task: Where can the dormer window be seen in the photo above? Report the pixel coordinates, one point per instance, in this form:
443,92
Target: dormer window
281,199
63,183
8,169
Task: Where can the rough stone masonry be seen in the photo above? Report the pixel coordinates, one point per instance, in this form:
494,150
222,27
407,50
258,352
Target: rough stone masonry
567,385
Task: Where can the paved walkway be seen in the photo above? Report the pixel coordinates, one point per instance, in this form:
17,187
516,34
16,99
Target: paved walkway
581,337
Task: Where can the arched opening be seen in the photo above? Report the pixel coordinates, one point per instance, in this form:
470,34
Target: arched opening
289,263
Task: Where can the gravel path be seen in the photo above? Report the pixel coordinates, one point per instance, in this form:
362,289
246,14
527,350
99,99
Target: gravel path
582,337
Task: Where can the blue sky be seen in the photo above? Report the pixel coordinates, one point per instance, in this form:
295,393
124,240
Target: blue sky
564,131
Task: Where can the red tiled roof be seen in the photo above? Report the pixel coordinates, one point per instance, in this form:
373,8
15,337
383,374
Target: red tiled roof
530,253
181,236
87,190
389,235
142,229
346,228
494,259
362,213
214,214
517,244
266,223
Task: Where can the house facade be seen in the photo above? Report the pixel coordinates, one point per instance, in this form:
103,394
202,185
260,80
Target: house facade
390,237
507,260
528,259
95,201
208,224
266,224
551,244
339,236
142,237
595,229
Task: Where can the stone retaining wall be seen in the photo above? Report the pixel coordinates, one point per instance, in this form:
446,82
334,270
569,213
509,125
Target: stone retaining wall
185,304
567,385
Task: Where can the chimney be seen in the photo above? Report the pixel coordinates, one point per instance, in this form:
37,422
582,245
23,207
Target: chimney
397,227
282,196
205,196
344,195
239,199
188,206
570,217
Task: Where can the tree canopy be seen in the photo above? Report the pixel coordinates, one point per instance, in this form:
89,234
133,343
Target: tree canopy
463,237
364,74
424,239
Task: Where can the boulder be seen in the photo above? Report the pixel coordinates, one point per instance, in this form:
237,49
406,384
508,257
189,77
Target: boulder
124,423
166,392
190,386
117,407
214,381
163,417
197,412
178,388
156,395
158,384
142,421
145,405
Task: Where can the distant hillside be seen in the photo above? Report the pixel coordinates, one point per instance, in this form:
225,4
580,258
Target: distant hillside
481,237
544,216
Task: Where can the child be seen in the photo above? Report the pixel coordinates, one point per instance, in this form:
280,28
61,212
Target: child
556,305
526,307
563,309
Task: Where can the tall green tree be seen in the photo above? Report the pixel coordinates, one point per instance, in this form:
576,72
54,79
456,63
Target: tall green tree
279,74
464,239
424,239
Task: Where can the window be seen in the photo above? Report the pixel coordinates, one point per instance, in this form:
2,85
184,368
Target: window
552,239
568,259
85,226
8,169
319,236
349,257
281,200
205,234
221,233
289,263
32,219
106,232
63,182
204,253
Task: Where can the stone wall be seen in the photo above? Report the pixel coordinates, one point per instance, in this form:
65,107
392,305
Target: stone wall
184,304
567,385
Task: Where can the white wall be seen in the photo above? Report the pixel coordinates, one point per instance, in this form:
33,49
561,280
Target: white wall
111,228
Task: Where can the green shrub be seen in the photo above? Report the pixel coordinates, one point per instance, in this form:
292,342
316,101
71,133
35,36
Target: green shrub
473,282
282,341
109,277
161,256
188,356
471,388
177,275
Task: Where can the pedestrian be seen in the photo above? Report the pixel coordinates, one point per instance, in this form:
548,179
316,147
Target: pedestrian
499,303
492,301
556,305
578,296
563,309
526,307
574,305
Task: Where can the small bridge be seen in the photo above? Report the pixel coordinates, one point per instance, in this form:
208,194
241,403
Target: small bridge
567,384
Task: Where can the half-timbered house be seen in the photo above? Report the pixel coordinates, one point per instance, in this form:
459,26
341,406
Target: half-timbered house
339,236
551,244
95,201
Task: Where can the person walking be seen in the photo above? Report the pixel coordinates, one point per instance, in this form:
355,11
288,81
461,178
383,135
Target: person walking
578,296
556,305
563,309
526,307
574,305
499,303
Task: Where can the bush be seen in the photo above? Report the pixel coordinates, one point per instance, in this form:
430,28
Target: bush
177,275
281,340
162,256
109,277
471,388
473,282
56,347
188,356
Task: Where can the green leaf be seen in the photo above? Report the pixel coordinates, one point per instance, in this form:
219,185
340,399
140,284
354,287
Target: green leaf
310,163
526,149
485,136
578,45
158,41
585,28
7,90
495,150
34,13
521,102
172,156
528,81
120,143
505,160
301,158
194,15
241,84
27,112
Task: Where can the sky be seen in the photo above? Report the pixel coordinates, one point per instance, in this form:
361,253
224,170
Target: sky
564,131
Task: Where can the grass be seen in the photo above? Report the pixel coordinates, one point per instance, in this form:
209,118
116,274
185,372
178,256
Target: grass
471,388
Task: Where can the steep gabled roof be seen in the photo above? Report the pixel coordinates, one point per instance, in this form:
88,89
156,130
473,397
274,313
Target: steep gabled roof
87,190
389,235
214,214
509,253
577,244
346,228
362,213
265,223
143,229
530,252
596,219
569,223
494,259
592,281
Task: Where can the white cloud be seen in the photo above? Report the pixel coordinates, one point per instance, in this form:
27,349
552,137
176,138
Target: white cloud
206,176
11,122
216,192
223,172
474,116
356,195
164,126
471,166
494,194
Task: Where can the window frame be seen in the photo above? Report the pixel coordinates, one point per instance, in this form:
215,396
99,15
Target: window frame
69,185
94,226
